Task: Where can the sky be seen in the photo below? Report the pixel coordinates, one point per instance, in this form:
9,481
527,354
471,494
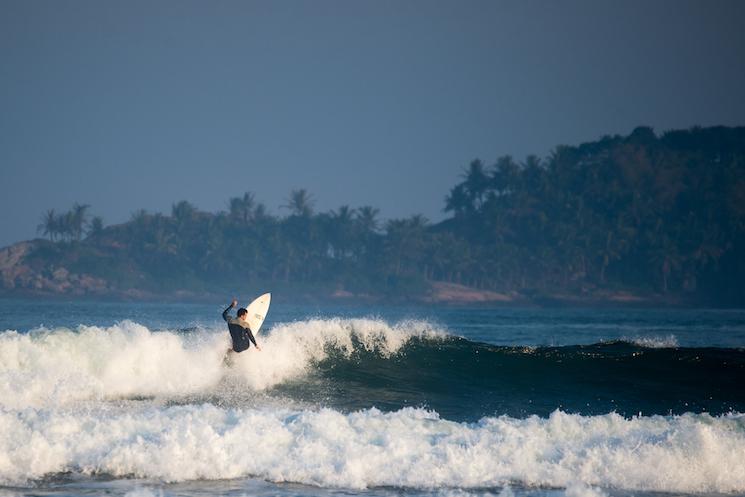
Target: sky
128,105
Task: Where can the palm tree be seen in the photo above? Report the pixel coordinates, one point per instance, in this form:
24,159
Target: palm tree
183,212
366,219
341,223
299,235
184,215
261,212
505,174
300,203
476,183
49,225
95,227
78,218
66,225
366,242
241,208
532,174
140,217
405,238
458,201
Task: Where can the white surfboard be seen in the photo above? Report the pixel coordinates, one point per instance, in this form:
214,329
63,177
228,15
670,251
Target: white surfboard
257,312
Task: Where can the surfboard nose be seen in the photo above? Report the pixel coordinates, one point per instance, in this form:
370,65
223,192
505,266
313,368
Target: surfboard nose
257,311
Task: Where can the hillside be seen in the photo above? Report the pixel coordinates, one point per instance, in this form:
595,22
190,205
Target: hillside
639,219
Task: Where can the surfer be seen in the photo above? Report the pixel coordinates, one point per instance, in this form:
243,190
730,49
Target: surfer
240,332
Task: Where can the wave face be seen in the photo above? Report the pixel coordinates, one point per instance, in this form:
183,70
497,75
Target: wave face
353,364
464,380
405,448
361,403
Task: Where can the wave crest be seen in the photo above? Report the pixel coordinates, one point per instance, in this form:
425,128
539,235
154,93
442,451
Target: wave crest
51,367
291,350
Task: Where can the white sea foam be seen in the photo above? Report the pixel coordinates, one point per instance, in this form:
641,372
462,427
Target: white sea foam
407,448
52,367
55,367
144,492
655,342
579,489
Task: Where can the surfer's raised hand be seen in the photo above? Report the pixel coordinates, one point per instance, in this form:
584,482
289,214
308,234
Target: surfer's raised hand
234,302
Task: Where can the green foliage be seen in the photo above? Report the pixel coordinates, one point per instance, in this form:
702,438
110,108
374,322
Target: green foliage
636,212
67,226
95,227
641,213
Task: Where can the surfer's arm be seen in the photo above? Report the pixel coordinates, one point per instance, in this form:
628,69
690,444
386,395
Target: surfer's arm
251,337
225,312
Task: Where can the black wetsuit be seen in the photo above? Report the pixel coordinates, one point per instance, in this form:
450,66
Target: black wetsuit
239,332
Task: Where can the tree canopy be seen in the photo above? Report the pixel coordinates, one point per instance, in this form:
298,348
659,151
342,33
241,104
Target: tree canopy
643,213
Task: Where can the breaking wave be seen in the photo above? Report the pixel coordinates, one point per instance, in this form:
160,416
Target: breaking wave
352,364
361,403
406,448
53,367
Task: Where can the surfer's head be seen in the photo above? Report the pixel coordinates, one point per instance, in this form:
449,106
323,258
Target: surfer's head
242,312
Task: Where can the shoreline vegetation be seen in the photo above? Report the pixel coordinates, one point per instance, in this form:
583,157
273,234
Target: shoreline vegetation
625,220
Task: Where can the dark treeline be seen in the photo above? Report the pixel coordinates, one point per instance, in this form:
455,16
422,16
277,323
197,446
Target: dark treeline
646,214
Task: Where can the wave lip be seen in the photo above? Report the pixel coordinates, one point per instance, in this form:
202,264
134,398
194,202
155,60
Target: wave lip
410,448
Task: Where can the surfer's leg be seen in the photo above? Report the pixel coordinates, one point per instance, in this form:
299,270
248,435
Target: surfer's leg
228,358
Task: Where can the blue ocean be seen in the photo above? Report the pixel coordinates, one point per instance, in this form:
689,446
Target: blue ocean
134,399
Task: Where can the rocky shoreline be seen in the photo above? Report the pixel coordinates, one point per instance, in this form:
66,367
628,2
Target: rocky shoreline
17,276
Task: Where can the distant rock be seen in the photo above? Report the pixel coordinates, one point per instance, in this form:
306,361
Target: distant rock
13,273
19,277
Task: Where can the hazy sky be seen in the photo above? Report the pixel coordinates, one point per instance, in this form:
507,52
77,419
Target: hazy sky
126,105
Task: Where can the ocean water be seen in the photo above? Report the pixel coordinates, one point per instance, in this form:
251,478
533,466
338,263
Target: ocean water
135,399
